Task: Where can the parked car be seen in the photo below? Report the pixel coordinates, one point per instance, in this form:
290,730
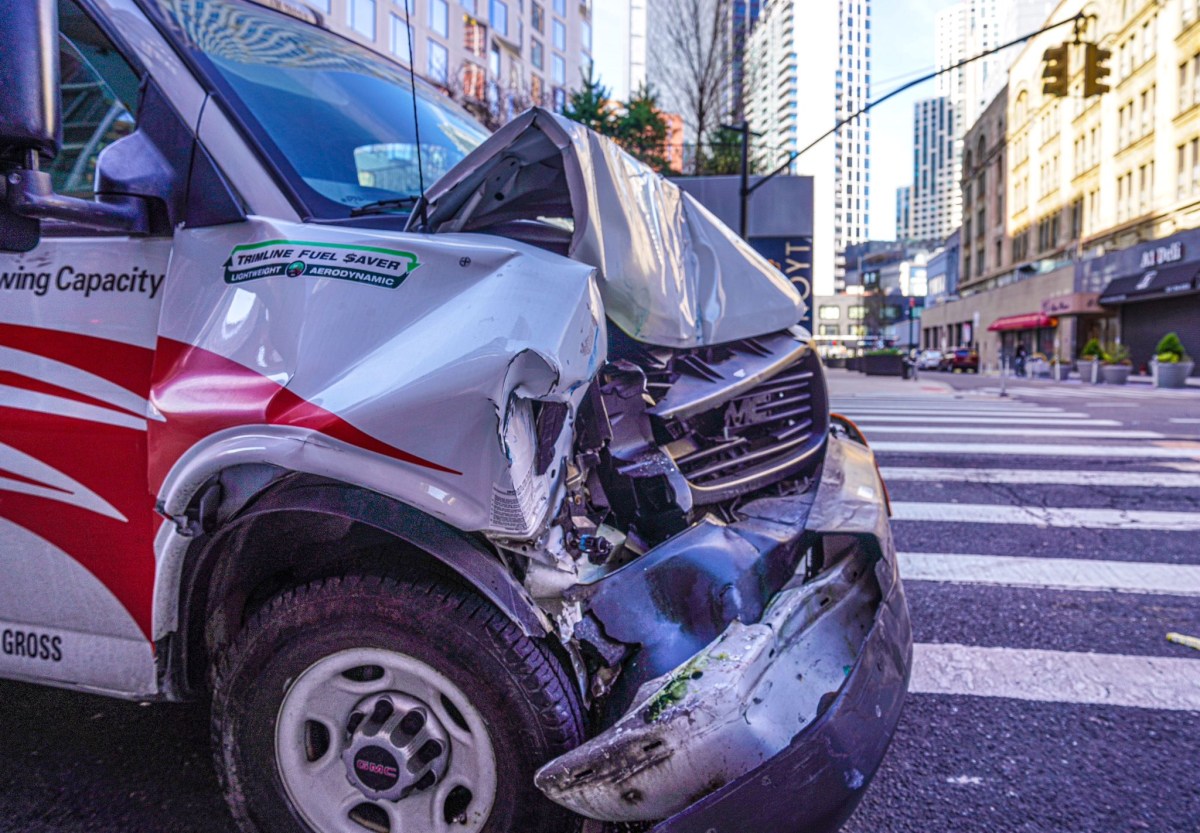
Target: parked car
482,506
962,359
929,360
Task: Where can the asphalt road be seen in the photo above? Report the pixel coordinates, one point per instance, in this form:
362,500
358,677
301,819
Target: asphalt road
959,762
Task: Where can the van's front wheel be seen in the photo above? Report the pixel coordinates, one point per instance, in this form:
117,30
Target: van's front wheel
373,705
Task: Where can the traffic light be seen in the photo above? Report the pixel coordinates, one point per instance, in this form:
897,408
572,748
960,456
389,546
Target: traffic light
1057,74
1095,68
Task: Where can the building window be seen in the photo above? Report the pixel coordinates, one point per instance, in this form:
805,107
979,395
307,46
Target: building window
560,99
439,17
560,69
856,313
361,17
560,35
474,81
560,7
438,64
535,53
320,5
829,312
537,90
494,61
585,33
400,41
469,5
474,37
828,330
500,17
538,19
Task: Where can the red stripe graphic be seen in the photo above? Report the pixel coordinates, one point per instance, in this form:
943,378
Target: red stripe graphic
201,393
198,392
16,380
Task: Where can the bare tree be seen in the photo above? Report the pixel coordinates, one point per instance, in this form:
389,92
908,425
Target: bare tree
695,62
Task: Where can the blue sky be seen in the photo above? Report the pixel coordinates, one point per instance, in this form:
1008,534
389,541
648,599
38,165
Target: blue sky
901,48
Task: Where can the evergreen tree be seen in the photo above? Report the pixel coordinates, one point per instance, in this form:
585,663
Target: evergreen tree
590,105
722,153
642,130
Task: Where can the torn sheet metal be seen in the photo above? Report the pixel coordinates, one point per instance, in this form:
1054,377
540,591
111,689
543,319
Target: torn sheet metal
728,709
672,273
423,385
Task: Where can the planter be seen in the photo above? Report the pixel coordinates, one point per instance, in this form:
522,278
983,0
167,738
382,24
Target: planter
835,363
1171,375
882,365
1089,371
1116,374
1060,371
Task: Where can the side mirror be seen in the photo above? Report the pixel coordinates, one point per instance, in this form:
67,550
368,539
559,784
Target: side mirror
30,112
30,119
31,132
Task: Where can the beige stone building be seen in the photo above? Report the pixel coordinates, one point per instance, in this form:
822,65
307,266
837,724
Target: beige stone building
1078,207
499,56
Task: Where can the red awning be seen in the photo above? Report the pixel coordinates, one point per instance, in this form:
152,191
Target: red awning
1028,321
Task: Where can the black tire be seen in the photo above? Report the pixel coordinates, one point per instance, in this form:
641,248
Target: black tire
531,709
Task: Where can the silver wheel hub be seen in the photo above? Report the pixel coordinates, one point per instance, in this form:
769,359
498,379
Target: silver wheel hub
396,746
375,740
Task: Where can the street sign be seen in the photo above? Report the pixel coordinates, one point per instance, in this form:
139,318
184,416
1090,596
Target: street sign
793,257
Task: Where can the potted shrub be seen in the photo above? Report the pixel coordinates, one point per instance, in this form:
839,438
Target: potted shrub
1170,366
886,362
1089,361
1117,366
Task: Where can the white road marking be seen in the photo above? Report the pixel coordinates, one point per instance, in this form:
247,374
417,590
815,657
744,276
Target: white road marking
1056,477
1176,451
981,513
1063,433
1064,419
971,419
1169,683
1052,573
1185,421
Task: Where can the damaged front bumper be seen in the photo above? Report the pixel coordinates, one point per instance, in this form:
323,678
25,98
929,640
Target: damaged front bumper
777,724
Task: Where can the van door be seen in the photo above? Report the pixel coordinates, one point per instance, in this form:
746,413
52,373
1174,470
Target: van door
78,317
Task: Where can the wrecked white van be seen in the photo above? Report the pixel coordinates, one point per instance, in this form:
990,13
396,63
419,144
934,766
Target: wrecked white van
497,507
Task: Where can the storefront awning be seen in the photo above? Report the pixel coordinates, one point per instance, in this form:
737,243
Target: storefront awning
1151,284
1028,321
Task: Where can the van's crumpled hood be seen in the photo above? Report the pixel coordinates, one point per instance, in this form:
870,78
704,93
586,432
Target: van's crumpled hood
671,273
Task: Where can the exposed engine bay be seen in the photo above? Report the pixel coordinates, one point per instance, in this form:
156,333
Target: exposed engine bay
682,444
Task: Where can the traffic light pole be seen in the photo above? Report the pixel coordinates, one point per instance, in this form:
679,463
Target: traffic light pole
750,189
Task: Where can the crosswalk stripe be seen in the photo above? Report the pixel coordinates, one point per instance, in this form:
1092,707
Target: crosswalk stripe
946,413
1179,451
1057,676
1091,392
1058,518
1061,433
1056,477
1052,573
972,419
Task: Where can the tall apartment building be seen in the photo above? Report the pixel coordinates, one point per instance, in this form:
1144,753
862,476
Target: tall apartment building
903,212
621,64
743,15
808,65
1101,195
935,203
499,55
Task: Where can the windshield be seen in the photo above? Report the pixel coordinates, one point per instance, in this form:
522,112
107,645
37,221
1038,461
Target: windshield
331,113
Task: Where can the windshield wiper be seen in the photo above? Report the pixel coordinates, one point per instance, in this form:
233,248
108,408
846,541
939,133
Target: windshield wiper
386,206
